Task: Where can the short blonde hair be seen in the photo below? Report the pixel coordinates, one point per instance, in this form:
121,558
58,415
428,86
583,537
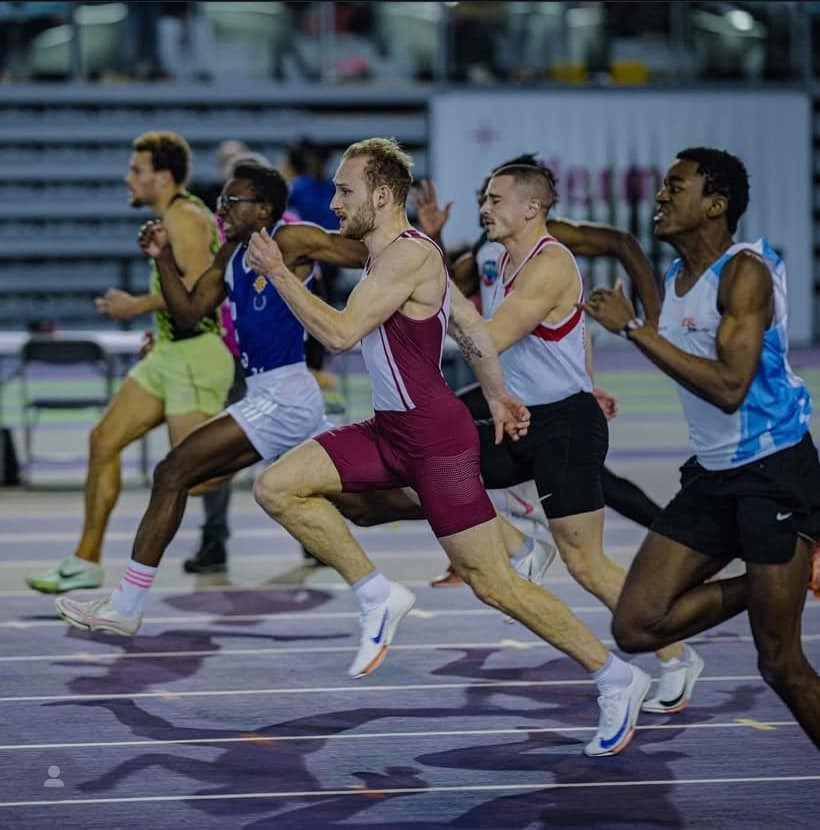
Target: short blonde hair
387,165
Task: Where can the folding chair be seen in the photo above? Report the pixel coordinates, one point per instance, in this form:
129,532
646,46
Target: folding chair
66,353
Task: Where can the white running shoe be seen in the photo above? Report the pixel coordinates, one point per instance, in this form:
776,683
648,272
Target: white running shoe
676,684
379,626
520,502
619,713
534,566
97,615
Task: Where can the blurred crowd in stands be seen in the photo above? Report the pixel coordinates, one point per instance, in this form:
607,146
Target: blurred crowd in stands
474,42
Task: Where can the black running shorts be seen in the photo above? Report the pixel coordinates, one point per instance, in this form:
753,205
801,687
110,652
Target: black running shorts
754,512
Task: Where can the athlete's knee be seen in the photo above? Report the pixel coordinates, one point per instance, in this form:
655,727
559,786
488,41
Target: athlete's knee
101,446
485,586
634,631
779,665
272,493
169,474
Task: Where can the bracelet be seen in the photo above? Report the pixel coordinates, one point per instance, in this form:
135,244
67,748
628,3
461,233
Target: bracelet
634,323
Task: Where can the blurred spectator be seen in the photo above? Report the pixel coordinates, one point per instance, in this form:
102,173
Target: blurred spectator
312,187
473,37
140,42
621,20
355,51
310,194
19,23
227,154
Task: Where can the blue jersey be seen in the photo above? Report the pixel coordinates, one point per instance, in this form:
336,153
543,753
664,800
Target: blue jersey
267,333
775,412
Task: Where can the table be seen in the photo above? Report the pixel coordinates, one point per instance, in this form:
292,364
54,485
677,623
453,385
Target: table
122,345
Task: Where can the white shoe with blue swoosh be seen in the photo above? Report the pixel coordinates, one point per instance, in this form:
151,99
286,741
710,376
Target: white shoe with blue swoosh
619,713
379,626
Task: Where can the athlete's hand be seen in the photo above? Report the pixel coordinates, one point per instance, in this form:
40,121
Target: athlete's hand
153,237
608,403
118,305
147,344
432,218
510,416
611,308
264,255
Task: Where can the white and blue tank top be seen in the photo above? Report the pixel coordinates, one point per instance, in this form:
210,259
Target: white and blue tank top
775,413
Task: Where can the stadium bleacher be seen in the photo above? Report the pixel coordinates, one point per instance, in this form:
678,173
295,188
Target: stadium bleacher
66,229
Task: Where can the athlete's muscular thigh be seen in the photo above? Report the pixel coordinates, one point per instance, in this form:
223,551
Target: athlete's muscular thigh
131,413
218,447
378,507
661,571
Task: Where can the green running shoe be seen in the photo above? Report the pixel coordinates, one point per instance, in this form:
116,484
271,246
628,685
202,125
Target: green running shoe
69,575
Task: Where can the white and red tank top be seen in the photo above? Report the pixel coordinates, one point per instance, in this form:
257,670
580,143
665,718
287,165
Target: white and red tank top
549,363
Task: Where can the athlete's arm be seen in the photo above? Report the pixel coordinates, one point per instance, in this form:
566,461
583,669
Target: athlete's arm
190,232
120,305
470,331
388,286
189,306
303,242
747,302
464,272
544,284
595,240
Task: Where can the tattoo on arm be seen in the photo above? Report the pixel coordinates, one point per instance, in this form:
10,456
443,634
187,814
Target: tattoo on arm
466,343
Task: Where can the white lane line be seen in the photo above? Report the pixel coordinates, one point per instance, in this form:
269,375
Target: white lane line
336,648
356,790
292,555
21,623
264,737
351,689
104,657
215,619
272,532
291,580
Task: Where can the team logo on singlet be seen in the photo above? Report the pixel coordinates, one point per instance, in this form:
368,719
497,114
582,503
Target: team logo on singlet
259,301
489,272
689,324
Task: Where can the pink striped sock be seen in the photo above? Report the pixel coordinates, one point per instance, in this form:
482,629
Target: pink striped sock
129,598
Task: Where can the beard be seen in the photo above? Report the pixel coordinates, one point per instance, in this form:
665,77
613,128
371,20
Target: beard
361,223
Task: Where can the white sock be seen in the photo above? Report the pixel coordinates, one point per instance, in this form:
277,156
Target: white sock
614,675
524,551
80,563
371,590
129,598
675,661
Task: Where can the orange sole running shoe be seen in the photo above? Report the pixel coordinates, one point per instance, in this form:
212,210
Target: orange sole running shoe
814,577
448,578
